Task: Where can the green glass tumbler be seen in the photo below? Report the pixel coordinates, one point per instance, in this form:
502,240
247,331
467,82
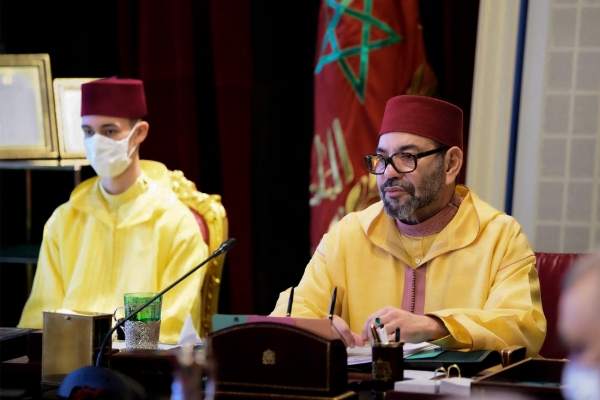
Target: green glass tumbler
133,301
143,330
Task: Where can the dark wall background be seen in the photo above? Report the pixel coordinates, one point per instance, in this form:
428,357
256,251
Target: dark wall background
262,173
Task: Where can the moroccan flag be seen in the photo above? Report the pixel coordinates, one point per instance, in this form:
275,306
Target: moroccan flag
367,52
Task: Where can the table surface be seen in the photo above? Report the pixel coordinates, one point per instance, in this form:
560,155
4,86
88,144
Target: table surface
20,378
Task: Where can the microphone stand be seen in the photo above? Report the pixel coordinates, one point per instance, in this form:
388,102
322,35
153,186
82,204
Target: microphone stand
225,247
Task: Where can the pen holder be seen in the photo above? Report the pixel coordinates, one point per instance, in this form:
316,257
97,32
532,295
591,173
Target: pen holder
387,365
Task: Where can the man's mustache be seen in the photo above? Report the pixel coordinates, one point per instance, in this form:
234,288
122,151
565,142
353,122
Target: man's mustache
395,182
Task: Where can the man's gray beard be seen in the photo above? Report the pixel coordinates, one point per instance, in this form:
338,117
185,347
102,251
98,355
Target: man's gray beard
430,190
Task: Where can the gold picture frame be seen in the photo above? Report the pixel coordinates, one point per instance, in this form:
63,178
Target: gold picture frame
67,96
27,118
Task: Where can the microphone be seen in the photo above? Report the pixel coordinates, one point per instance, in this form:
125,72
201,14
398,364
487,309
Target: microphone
114,381
224,247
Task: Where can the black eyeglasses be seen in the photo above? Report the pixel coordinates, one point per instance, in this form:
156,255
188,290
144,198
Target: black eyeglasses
402,162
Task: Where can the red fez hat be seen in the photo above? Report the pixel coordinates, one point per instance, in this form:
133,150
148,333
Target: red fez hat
424,116
113,97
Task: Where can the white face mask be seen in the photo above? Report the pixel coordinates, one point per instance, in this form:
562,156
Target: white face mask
580,382
108,157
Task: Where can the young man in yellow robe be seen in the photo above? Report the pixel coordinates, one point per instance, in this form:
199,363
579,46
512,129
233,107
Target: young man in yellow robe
122,231
431,257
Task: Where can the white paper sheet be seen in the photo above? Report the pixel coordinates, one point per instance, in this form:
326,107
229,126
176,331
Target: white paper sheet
188,335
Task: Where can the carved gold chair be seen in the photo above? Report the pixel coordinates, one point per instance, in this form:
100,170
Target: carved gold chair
212,219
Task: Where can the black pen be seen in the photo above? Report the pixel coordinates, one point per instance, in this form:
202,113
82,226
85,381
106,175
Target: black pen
397,337
290,302
332,305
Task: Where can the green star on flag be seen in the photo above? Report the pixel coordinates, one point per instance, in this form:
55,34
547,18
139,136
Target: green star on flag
340,55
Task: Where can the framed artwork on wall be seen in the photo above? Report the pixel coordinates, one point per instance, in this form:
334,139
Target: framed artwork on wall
27,117
67,95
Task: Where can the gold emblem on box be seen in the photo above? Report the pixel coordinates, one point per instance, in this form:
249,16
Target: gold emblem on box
382,371
269,357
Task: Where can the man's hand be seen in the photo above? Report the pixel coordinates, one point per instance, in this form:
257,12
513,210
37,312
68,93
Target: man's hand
413,328
341,330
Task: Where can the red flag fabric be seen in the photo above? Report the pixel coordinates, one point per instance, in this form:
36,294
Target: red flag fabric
367,52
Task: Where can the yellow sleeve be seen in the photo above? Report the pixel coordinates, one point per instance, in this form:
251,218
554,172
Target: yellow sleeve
48,291
512,314
312,296
188,249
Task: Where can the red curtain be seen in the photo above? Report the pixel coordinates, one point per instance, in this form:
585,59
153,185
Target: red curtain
367,52
157,46
230,31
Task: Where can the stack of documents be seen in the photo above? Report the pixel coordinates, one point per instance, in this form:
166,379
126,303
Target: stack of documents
362,355
459,386
414,348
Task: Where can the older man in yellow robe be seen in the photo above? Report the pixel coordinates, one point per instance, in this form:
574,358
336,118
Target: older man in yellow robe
122,231
430,258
